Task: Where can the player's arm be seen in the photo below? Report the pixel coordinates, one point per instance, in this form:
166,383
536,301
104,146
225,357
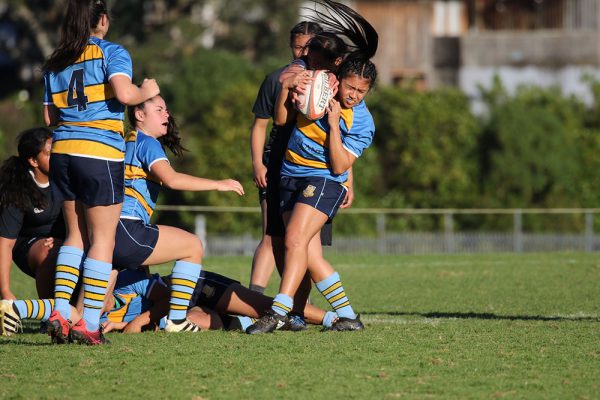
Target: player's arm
51,115
6,247
129,94
349,198
341,159
172,179
258,135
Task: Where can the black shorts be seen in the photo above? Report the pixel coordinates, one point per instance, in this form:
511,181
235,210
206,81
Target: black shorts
134,242
320,193
209,289
20,252
92,181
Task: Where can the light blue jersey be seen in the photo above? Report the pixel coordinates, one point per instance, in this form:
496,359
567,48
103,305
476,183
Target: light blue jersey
90,116
141,189
308,152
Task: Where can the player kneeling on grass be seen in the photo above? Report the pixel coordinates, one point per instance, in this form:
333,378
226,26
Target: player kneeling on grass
316,165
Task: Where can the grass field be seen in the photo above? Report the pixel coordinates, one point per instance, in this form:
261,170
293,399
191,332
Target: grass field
451,326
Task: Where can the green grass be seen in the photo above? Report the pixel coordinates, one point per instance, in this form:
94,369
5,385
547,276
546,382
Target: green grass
452,326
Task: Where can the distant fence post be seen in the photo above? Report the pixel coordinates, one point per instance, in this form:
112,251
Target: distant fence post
200,230
449,232
589,232
518,231
381,245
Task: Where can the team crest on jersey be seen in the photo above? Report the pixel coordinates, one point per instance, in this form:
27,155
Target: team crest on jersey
309,191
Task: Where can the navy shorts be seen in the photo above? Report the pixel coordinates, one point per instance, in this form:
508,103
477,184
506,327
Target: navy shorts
134,242
323,194
210,288
20,252
93,182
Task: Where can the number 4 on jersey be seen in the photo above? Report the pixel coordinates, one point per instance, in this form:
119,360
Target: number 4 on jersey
76,95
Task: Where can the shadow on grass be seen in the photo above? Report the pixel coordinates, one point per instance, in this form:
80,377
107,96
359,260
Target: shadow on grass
473,315
21,342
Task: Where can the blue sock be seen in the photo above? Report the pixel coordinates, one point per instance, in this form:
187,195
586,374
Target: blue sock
244,322
282,304
328,319
39,309
183,282
331,287
95,282
68,265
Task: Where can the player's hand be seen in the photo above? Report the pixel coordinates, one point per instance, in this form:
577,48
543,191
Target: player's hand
230,185
113,326
260,176
49,242
334,112
150,88
333,83
349,199
133,327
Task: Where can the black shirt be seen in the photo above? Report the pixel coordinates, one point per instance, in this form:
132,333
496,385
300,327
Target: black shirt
16,223
264,107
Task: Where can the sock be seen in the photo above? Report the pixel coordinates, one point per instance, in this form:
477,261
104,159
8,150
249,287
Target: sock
257,288
332,289
183,282
95,281
328,319
67,274
282,304
34,309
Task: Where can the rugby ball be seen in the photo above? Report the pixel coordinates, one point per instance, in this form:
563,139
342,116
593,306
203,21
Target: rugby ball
315,99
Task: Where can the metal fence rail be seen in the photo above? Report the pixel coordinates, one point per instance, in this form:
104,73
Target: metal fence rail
447,240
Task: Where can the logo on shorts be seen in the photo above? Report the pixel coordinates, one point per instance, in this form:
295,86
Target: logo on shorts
38,210
208,291
309,191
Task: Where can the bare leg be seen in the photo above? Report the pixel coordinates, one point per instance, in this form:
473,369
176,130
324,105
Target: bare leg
42,261
263,262
175,244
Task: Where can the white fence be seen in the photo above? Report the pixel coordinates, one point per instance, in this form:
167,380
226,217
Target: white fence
446,240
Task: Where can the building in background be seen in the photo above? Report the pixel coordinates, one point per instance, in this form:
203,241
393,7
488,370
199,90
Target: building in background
468,42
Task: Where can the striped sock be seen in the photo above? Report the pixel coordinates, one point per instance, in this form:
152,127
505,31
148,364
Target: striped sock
332,289
67,274
95,282
282,304
39,309
183,282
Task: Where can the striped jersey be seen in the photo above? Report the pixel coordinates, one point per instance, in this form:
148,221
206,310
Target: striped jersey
141,188
90,116
131,293
308,153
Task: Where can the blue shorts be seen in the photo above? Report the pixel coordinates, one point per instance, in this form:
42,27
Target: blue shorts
209,289
93,182
134,242
323,194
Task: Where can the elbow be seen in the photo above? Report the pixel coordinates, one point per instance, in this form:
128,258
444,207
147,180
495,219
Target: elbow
126,99
338,169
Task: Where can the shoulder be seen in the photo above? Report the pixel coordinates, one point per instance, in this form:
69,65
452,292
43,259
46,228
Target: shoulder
362,116
110,48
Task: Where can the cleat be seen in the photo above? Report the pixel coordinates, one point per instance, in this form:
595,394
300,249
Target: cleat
184,326
81,335
58,328
295,323
10,322
267,323
346,324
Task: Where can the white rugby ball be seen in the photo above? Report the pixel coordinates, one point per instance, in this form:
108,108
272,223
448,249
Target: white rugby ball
313,103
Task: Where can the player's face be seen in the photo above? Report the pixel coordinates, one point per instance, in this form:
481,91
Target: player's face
298,45
156,117
352,90
43,158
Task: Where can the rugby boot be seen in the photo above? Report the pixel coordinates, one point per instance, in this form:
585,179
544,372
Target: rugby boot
346,324
295,323
10,322
267,323
81,335
58,328
184,326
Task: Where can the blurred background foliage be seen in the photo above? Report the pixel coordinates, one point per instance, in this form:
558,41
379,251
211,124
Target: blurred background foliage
534,148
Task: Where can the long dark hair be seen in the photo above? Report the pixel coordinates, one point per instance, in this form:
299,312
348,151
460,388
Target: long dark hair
362,38
305,28
171,140
17,188
80,18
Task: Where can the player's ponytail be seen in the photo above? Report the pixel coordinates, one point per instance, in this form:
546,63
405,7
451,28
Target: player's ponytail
81,17
362,37
17,188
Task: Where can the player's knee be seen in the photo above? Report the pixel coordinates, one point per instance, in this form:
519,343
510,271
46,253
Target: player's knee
196,251
294,239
